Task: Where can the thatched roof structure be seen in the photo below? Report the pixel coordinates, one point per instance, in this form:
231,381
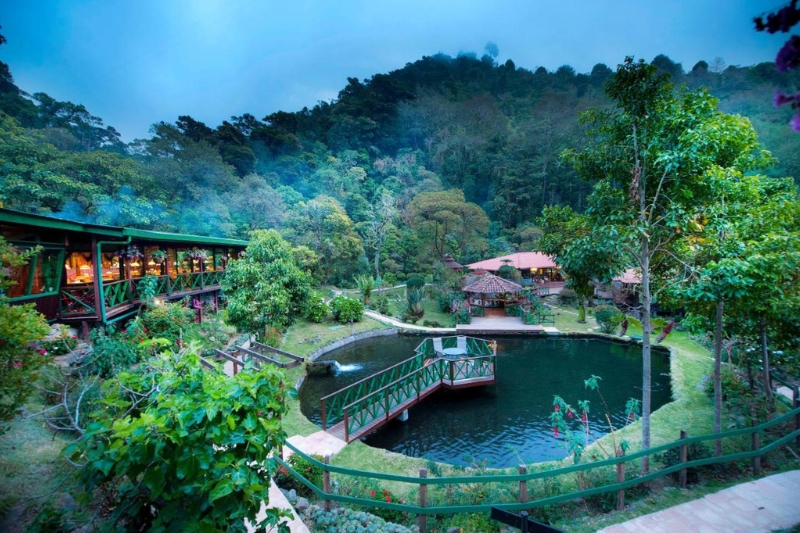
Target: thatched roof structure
491,284
451,263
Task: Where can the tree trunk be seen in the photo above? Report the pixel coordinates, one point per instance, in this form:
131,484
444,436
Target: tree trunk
377,263
646,360
582,312
718,376
765,360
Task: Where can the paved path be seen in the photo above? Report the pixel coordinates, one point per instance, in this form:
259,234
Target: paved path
762,505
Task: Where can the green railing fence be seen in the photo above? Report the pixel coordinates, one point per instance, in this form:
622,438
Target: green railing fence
780,431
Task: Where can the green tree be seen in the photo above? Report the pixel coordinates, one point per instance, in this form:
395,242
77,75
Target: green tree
568,238
265,288
20,325
376,228
180,447
448,223
650,158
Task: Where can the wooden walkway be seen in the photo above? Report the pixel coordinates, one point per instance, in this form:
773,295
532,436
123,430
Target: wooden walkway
338,430
504,324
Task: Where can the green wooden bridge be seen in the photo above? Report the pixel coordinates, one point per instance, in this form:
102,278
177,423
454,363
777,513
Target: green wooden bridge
443,362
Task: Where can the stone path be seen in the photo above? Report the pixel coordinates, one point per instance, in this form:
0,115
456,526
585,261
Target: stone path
319,443
763,505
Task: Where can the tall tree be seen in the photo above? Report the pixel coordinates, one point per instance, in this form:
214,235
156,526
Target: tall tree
650,158
376,228
265,288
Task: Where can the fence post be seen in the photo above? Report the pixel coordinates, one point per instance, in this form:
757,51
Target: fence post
684,458
422,520
795,405
524,516
755,447
523,485
620,479
452,373
326,483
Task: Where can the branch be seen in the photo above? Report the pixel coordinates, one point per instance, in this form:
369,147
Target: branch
655,197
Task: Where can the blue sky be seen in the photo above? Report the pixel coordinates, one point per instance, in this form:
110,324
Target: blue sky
138,62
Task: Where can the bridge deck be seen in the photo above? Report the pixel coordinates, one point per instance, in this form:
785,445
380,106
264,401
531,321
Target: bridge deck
338,430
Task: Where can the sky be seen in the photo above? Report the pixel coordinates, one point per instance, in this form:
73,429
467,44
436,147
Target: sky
135,63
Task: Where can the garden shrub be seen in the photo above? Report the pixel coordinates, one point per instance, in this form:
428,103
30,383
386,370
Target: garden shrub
316,309
344,519
382,304
390,515
305,468
694,451
415,282
414,309
166,321
346,309
115,351
568,297
61,345
608,318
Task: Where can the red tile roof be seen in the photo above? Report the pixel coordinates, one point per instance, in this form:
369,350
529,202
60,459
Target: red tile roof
520,260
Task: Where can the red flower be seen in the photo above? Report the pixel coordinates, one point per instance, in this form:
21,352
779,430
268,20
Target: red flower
555,431
386,492
584,418
555,408
632,415
17,364
569,414
372,494
389,499
43,352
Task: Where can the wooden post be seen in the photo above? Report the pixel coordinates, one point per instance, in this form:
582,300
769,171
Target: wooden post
452,373
684,457
422,520
620,479
755,446
346,430
795,405
523,485
326,483
324,421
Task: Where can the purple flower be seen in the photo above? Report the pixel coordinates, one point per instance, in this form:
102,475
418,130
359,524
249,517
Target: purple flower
795,122
789,56
781,99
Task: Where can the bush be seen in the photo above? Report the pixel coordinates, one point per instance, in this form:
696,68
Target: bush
416,282
414,309
694,451
346,309
390,515
115,351
568,297
166,321
316,309
344,519
305,468
61,345
382,304
608,318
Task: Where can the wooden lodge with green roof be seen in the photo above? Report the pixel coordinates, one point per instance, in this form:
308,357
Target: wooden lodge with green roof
91,273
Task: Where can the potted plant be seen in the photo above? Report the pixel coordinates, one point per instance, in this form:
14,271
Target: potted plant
197,254
130,253
158,256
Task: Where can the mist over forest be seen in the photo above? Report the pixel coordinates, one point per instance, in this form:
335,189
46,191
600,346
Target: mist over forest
351,182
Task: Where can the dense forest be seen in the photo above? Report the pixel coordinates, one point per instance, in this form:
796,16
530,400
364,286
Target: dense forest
445,155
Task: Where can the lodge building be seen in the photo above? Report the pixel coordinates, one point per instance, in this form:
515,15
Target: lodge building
88,273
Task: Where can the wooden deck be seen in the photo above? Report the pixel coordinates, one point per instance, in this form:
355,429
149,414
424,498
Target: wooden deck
499,324
338,430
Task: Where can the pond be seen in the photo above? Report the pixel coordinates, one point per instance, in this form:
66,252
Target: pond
505,424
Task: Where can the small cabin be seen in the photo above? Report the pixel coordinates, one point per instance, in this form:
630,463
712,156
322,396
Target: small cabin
91,273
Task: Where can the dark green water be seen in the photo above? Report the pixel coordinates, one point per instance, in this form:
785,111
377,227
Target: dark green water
505,424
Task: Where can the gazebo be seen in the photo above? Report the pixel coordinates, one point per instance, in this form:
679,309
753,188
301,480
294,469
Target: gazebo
451,263
495,288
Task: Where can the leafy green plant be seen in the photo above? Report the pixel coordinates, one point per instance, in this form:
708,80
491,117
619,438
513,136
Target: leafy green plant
20,326
178,447
568,297
61,345
114,351
382,304
390,515
366,284
415,282
166,321
305,468
316,309
148,289
414,309
694,451
346,520
346,309
608,318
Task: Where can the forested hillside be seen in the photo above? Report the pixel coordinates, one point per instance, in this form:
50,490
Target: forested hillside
455,155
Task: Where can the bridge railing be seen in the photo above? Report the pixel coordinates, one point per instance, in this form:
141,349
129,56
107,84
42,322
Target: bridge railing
385,402
747,444
332,405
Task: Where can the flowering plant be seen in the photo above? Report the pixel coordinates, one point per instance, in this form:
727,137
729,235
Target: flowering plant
131,252
390,515
197,253
158,256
